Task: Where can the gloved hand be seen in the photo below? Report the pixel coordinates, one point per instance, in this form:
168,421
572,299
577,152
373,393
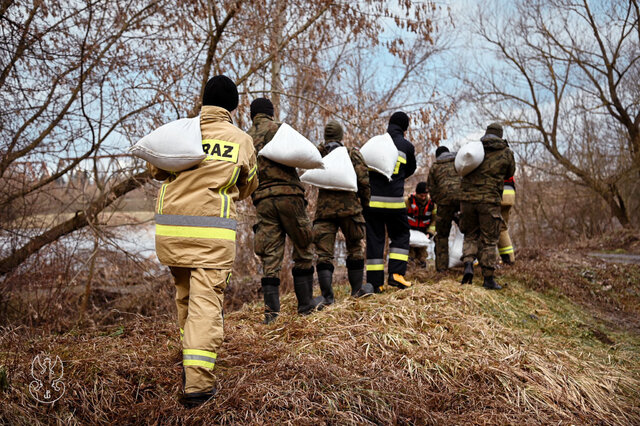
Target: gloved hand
456,218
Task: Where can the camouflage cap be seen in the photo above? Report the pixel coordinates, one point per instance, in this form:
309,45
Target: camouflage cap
494,129
333,131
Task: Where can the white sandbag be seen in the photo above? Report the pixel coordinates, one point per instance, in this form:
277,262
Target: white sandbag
418,239
338,173
290,148
469,158
174,147
380,154
431,250
456,238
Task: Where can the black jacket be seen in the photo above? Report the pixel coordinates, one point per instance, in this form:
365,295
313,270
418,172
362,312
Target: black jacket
405,167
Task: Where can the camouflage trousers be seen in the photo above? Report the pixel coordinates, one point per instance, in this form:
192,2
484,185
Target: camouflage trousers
444,217
325,231
418,255
480,223
277,218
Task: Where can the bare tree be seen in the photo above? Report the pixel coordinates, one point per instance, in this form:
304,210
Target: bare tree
566,75
72,76
83,81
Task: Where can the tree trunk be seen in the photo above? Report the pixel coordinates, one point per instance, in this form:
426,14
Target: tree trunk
276,83
80,220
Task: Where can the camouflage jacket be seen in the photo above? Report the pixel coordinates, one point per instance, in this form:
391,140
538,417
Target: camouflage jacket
485,184
275,179
333,204
443,181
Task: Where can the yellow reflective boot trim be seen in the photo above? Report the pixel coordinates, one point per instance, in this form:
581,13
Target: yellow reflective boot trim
195,232
506,250
399,256
199,358
509,191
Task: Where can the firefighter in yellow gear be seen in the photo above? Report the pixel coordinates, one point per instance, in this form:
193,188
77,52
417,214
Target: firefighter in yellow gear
505,246
196,232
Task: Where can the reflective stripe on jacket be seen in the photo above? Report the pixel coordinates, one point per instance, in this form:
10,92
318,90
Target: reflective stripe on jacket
196,210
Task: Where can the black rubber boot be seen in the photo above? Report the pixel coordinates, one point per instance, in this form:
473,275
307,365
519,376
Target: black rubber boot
325,278
355,272
467,278
491,284
193,399
303,287
506,259
271,291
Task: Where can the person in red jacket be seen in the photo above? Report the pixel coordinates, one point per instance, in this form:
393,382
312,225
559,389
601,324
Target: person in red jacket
421,213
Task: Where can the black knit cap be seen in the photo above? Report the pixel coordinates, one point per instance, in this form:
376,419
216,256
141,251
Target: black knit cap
441,150
401,119
221,91
421,188
333,131
494,129
261,105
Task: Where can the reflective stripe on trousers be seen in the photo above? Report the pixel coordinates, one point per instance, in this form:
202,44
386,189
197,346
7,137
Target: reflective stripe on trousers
199,357
375,265
398,254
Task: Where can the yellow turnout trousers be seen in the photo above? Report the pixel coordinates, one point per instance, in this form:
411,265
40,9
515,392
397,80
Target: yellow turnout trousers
199,297
505,246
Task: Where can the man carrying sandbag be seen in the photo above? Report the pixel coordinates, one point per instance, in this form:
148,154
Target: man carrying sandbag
480,198
444,186
421,212
341,210
195,232
280,206
387,212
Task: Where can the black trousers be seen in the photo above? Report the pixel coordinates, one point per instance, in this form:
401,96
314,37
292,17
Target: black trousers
379,222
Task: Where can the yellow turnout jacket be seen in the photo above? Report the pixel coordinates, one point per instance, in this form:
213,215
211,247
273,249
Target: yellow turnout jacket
196,211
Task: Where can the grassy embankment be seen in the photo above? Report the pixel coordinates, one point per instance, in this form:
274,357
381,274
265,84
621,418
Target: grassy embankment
437,353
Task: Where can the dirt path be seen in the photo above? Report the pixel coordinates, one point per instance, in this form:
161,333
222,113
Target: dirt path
617,257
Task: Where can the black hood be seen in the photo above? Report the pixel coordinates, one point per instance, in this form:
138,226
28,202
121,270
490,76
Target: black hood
394,129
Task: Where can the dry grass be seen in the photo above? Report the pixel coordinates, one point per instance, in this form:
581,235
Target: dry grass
608,291
437,353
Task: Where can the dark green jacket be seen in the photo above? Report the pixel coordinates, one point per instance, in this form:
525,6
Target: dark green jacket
443,181
485,184
334,204
275,179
